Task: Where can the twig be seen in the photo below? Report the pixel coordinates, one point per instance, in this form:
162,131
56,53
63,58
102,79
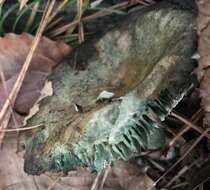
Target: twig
96,181
54,23
35,183
190,124
20,129
179,185
96,3
7,94
105,176
22,4
157,165
32,16
54,182
194,119
55,12
4,124
98,14
182,157
180,173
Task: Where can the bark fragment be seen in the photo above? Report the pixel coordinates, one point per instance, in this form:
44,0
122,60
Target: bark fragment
203,28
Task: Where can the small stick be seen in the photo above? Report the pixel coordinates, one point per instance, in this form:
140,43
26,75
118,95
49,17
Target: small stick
80,24
190,124
15,90
98,14
180,173
105,176
20,129
96,181
180,185
7,94
194,119
54,182
182,157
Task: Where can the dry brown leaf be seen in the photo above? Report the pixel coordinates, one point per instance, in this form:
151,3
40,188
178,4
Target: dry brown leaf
131,177
122,175
47,90
203,27
13,51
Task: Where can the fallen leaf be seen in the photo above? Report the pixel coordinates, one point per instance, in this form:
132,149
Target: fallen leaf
131,177
122,175
13,51
47,90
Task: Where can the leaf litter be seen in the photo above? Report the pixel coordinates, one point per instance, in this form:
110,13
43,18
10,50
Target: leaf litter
13,52
122,175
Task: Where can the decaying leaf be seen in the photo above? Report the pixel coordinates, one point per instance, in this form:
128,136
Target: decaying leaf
46,91
13,52
203,27
121,175
130,176
146,61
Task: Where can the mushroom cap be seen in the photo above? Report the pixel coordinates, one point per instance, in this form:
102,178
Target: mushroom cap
140,70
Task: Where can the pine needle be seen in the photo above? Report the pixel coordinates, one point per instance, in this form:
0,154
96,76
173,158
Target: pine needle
32,16
60,7
98,14
10,111
198,115
97,180
190,124
22,4
14,92
182,157
80,25
21,129
107,170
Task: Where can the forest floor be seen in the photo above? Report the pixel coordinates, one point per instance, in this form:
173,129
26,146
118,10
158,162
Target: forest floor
23,24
